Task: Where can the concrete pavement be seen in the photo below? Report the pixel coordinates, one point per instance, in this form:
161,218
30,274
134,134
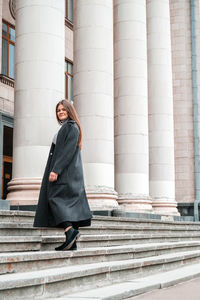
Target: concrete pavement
189,290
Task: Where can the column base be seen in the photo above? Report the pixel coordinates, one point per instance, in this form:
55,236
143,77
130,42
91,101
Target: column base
24,191
102,198
131,203
165,207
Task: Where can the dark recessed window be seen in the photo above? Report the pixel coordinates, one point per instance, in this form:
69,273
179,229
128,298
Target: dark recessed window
8,50
69,80
7,159
7,141
69,10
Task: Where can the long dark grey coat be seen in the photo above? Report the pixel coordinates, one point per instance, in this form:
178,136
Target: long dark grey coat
64,199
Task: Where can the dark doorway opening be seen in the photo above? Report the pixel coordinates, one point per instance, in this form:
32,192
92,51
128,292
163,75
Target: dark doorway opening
7,159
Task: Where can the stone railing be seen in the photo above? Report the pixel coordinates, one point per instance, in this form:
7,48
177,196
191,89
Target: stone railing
7,80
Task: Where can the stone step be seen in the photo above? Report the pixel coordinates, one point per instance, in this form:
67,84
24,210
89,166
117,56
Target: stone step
16,216
20,243
131,288
24,229
27,217
46,243
56,282
87,241
147,227
30,261
99,220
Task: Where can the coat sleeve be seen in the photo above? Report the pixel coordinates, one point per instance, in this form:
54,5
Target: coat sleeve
67,141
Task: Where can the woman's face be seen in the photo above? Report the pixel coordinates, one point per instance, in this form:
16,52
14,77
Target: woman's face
62,113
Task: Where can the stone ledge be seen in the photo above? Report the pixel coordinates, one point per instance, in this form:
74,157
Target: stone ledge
135,287
121,237
19,243
17,257
116,215
4,205
122,214
91,241
96,228
151,216
12,283
32,208
17,213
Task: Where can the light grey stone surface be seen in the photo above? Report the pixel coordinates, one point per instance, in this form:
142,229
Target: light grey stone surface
15,227
4,205
123,219
111,250
185,290
138,286
107,270
30,261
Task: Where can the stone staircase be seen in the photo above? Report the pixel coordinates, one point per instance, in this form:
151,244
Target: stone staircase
116,258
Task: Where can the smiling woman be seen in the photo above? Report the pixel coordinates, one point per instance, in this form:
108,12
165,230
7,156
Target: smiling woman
63,201
61,113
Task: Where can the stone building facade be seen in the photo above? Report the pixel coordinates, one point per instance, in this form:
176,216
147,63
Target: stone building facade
131,68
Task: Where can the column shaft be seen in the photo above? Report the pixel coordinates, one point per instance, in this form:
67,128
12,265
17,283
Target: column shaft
39,85
131,106
161,129
93,97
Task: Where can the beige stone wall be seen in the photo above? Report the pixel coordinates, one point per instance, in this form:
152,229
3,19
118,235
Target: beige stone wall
68,43
6,92
6,13
6,99
182,93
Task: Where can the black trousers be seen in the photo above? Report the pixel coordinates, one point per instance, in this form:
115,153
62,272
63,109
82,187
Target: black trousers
67,224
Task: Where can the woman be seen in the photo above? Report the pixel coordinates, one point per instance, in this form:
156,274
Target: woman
62,201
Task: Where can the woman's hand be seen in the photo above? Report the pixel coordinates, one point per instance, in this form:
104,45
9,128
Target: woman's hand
53,176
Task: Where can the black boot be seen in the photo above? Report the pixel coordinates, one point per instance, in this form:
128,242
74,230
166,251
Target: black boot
71,236
74,246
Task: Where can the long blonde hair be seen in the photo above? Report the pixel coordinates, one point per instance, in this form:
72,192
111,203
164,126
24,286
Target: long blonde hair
72,115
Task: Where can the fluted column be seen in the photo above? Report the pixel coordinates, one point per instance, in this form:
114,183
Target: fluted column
131,105
161,129
39,85
93,97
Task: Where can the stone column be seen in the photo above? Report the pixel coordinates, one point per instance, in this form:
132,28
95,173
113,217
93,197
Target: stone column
93,97
131,105
1,15
39,85
161,129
